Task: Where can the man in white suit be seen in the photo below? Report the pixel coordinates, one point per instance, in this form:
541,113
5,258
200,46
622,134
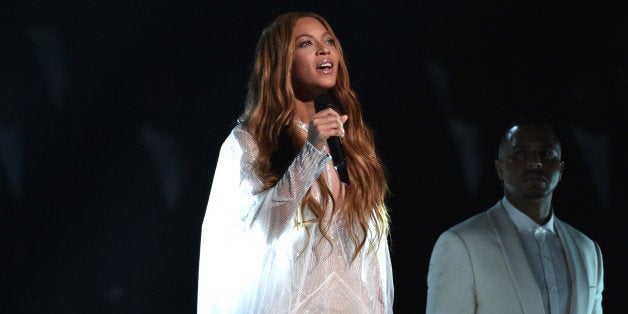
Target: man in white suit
518,257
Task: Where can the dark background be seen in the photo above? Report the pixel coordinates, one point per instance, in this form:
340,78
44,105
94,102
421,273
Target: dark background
112,114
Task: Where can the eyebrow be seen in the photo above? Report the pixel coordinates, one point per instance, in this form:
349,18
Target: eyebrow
310,36
542,146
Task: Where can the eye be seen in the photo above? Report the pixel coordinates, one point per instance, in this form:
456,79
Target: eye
305,43
331,42
518,154
547,154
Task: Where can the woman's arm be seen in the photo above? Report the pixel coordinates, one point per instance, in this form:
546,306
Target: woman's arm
240,220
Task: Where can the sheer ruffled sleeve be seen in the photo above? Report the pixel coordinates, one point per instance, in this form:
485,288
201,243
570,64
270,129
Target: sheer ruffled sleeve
384,269
241,220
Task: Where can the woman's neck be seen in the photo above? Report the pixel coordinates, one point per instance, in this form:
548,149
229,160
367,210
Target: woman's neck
304,110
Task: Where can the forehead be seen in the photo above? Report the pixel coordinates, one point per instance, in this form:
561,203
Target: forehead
308,26
531,135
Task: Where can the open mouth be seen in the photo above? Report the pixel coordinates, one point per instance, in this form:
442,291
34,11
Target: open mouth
326,66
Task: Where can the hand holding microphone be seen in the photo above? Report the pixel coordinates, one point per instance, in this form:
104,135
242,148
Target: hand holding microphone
330,124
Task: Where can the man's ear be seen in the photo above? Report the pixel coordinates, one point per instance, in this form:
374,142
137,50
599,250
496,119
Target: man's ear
498,167
561,168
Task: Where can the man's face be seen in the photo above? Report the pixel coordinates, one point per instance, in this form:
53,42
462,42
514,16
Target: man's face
529,163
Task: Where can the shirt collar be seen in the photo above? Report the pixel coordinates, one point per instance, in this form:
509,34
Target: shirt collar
522,221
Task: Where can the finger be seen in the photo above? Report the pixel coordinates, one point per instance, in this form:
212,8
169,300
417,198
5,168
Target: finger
327,112
326,121
344,118
332,127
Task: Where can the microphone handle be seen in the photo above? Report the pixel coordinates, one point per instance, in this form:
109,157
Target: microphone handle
335,150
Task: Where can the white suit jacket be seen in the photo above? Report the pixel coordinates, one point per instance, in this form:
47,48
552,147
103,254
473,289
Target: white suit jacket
479,266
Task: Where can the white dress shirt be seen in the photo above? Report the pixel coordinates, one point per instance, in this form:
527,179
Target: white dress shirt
546,256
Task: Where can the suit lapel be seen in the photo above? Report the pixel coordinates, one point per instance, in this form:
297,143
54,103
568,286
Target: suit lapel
518,266
577,269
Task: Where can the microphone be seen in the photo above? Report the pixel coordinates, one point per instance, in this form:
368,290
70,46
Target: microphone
322,102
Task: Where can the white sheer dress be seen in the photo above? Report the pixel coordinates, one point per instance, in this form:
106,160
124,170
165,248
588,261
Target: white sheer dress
255,256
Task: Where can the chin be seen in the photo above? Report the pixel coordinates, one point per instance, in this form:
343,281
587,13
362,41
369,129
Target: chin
534,195
328,82
327,87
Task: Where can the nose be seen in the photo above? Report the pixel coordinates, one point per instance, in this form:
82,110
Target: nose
322,49
534,165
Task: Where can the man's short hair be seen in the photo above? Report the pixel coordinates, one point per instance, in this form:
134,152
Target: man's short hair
528,120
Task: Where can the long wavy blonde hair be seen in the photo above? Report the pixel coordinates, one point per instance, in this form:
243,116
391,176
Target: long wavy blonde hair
269,117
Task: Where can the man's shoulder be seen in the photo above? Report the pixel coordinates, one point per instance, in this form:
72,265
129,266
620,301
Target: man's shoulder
473,233
478,220
576,241
480,223
576,234
471,223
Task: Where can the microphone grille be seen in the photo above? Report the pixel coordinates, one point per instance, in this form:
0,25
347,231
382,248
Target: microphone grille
322,102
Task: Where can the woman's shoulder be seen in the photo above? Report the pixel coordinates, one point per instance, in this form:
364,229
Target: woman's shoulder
241,132
241,138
